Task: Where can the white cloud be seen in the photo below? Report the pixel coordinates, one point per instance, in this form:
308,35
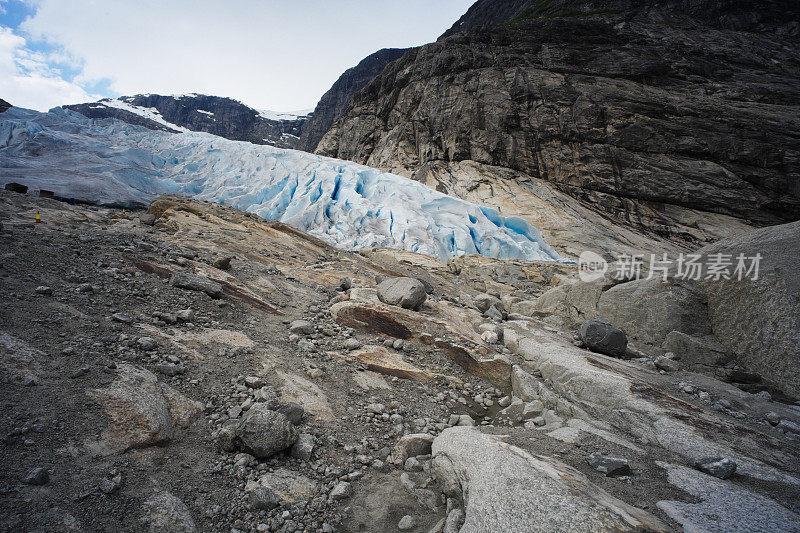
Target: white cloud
28,80
269,54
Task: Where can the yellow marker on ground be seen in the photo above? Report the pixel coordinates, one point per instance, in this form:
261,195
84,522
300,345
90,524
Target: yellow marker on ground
38,217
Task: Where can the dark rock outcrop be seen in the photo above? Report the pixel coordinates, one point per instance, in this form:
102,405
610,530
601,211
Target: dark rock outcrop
644,113
334,102
4,105
196,112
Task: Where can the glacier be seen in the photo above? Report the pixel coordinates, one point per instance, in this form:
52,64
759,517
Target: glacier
351,206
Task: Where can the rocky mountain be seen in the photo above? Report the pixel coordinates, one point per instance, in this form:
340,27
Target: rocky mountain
334,102
4,105
196,112
675,122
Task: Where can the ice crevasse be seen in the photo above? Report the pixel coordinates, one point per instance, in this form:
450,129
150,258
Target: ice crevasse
351,206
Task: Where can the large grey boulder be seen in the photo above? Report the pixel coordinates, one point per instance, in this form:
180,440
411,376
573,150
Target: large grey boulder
408,293
166,513
758,321
603,338
648,309
505,488
142,411
263,432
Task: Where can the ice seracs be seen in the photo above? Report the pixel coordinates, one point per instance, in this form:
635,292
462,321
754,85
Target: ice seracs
348,205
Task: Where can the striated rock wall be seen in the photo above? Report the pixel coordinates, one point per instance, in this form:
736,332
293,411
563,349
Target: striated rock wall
334,102
655,118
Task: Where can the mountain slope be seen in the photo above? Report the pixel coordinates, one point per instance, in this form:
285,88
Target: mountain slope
351,206
334,102
196,112
671,125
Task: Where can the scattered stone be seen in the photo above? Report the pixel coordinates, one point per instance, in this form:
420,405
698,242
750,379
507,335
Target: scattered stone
352,344
124,318
263,499
304,447
345,283
720,467
36,476
667,364
301,327
408,293
223,263
191,282
341,491
263,432
610,465
185,315
146,343
44,290
406,523
412,445
109,486
412,465
465,420
603,338
254,382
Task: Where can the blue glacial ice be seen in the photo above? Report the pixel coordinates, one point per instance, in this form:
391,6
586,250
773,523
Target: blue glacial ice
351,206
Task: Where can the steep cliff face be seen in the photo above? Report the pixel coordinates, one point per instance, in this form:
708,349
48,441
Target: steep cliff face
4,105
196,112
676,130
334,102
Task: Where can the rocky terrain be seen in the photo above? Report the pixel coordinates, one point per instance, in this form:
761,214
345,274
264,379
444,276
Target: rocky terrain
334,102
657,121
198,112
193,367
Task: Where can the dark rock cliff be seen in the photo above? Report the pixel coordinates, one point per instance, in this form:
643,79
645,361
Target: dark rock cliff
334,102
213,114
636,109
4,105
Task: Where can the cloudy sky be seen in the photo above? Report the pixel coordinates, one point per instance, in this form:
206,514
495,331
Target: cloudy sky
270,54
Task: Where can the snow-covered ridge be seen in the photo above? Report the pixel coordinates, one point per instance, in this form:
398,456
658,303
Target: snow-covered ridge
150,113
279,115
348,205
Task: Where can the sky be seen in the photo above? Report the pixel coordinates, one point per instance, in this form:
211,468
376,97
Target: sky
270,54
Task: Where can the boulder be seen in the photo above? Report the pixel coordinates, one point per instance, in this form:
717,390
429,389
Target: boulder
142,410
649,309
191,282
166,513
263,432
758,320
505,488
408,293
720,467
412,445
603,338
610,465
301,327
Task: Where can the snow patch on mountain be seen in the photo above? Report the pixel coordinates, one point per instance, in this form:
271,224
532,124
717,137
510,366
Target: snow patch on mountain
346,204
150,113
